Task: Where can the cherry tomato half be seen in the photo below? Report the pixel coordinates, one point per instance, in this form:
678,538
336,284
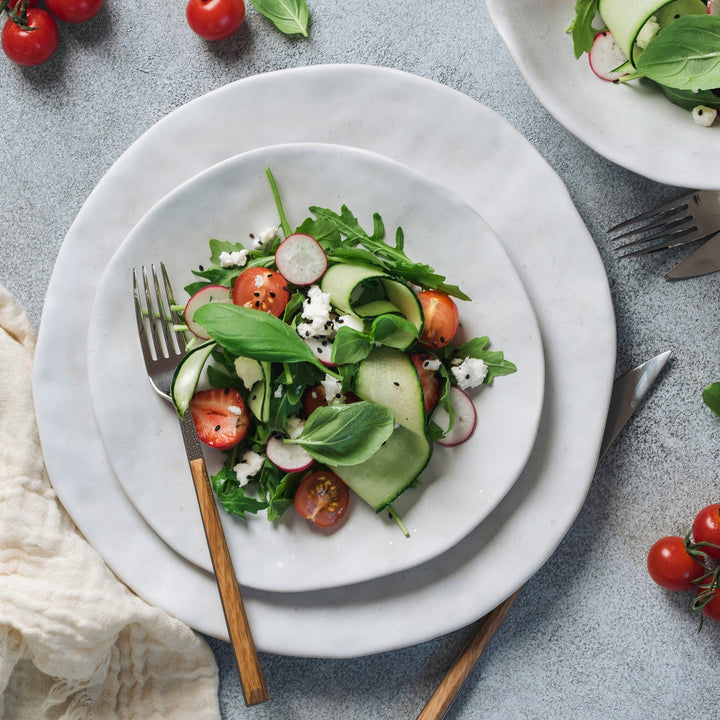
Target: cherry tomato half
706,528
215,19
322,497
262,289
670,565
441,318
74,11
31,47
428,380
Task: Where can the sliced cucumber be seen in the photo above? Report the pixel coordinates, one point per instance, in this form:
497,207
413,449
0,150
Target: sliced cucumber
261,393
187,374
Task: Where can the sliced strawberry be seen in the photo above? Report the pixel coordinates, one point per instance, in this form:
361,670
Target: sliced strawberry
428,380
220,416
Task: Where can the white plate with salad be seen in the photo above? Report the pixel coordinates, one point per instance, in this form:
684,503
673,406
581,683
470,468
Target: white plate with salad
629,120
354,311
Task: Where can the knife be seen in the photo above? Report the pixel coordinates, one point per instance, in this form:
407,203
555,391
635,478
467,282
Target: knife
627,393
705,260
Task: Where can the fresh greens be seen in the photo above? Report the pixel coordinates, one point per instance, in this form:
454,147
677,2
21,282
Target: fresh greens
581,28
711,397
288,16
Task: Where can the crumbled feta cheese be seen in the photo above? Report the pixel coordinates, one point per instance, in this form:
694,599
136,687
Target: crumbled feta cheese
259,281
294,426
351,321
279,391
469,373
333,390
317,304
249,466
703,115
266,236
235,410
237,258
432,364
648,31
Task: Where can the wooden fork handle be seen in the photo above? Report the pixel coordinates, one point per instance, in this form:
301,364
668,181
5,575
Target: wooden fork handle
447,691
251,675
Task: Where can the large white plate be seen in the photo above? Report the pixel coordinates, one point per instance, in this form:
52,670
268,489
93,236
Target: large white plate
232,200
461,145
632,125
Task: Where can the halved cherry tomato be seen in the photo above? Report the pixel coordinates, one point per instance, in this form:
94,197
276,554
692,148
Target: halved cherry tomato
314,398
671,566
441,318
215,19
31,47
221,417
74,11
428,380
706,528
323,498
262,289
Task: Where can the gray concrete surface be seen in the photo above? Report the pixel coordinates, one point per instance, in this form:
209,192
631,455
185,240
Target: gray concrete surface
590,636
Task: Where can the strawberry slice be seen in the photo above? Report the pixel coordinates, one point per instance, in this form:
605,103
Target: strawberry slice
428,380
221,417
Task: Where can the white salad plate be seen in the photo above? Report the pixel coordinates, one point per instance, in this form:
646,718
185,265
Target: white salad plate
473,152
632,125
233,200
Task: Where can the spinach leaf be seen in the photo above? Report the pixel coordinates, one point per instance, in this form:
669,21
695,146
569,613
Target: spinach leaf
346,434
684,55
711,397
351,346
288,16
581,28
688,99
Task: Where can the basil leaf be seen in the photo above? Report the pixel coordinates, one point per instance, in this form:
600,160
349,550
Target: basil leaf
711,397
688,99
346,434
288,16
351,346
685,54
254,334
582,30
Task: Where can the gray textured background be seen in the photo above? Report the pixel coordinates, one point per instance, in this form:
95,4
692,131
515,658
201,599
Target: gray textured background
590,636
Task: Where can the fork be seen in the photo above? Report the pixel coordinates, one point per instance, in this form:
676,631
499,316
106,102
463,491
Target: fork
163,346
695,216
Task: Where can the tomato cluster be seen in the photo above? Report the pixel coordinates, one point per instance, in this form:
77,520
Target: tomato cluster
30,34
692,563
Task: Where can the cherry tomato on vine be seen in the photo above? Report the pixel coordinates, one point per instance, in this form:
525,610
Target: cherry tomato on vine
671,566
30,47
711,608
215,19
74,11
31,3
441,318
706,528
262,289
322,497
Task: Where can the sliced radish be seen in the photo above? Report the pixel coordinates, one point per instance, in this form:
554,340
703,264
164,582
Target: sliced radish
322,349
287,456
465,418
606,56
208,294
713,8
300,259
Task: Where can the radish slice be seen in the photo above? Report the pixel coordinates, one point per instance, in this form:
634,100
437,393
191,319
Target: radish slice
713,7
605,56
322,349
300,259
208,294
465,418
288,457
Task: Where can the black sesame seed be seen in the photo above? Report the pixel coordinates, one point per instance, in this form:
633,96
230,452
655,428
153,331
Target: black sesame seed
467,377
256,293
285,288
397,384
217,427
257,303
442,339
272,294
201,268
252,235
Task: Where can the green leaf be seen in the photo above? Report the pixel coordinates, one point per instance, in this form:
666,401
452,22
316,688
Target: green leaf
688,99
684,55
582,30
232,496
351,346
288,16
254,334
346,434
711,397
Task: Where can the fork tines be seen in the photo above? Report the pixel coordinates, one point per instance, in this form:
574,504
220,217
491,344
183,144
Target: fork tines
156,318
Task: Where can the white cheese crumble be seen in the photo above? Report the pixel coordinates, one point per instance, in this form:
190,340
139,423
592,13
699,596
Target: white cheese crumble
469,373
237,258
432,364
249,466
235,410
279,391
266,236
294,426
703,115
648,31
333,390
316,309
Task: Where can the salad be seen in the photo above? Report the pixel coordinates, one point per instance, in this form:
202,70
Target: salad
328,365
675,45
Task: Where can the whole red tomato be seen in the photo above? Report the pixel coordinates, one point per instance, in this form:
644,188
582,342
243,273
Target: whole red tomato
30,47
706,529
711,606
215,19
31,3
74,11
670,565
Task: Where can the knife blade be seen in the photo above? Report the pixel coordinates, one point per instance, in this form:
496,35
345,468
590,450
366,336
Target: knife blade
627,393
705,260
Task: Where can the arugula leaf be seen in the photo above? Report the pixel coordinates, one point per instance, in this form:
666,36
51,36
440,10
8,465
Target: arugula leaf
688,99
581,28
494,359
684,55
288,16
233,497
711,397
346,434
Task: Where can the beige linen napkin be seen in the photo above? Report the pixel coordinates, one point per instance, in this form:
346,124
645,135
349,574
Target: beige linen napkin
75,643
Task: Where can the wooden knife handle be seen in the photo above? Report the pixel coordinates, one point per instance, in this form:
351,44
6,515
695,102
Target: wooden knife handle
251,675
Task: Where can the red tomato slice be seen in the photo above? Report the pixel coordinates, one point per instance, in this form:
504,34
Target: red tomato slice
706,529
221,417
428,380
441,318
670,565
323,498
261,289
